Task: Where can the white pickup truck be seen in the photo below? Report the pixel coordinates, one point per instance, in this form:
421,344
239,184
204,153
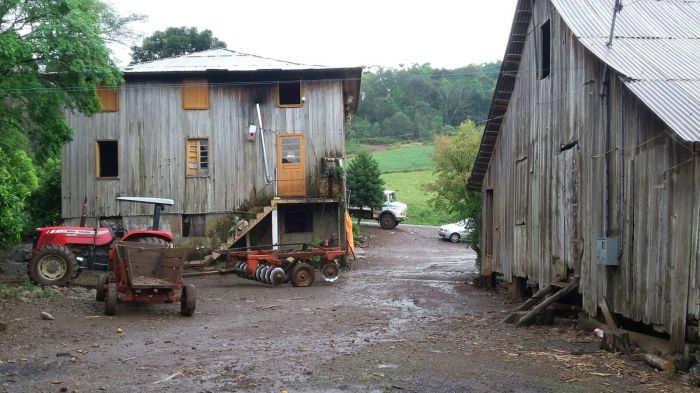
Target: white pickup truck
389,216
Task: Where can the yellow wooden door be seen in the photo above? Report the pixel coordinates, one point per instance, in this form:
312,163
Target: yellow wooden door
291,177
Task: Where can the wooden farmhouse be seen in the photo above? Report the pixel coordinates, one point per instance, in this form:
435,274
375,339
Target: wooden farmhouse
219,132
589,164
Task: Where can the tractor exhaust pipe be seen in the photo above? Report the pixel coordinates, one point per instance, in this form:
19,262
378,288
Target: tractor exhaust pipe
83,214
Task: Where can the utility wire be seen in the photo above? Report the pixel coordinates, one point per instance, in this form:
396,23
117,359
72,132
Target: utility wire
157,85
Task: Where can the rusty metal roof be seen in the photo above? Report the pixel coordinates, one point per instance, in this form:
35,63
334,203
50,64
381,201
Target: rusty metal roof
656,51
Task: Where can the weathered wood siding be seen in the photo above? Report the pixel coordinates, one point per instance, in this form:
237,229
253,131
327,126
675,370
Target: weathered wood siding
152,127
572,165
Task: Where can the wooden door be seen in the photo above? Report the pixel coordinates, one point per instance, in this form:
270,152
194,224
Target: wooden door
291,176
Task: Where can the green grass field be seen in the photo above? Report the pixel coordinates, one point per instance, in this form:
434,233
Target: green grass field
406,168
405,158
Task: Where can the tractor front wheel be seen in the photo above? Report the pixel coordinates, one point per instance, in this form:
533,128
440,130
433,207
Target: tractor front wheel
53,265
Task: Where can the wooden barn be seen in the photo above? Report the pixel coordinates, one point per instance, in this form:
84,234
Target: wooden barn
589,164
221,133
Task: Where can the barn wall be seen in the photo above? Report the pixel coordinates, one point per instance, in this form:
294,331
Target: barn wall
152,128
576,160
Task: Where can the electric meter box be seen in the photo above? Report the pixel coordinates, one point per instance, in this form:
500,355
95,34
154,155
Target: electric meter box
608,251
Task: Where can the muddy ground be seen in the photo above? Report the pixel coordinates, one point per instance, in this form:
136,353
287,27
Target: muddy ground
405,318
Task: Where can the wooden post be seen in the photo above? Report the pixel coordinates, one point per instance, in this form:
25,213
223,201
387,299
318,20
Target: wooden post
518,288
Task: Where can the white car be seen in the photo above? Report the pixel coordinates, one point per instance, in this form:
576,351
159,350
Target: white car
457,231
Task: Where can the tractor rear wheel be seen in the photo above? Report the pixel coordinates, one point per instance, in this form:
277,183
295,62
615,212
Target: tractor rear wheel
153,240
101,287
111,299
188,300
302,275
53,265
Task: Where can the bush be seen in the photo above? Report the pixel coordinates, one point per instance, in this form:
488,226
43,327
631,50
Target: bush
17,180
44,203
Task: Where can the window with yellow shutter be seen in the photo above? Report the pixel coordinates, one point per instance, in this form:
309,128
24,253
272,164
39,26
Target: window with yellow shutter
109,99
195,94
197,157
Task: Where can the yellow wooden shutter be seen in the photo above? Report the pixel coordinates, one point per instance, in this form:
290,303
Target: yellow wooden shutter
109,99
192,157
195,94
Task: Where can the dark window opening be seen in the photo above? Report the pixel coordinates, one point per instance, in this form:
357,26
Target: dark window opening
193,225
289,93
546,49
107,159
299,221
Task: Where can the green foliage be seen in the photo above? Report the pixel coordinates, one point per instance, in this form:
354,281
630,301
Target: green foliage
27,290
44,203
17,180
52,58
364,182
174,41
419,102
454,157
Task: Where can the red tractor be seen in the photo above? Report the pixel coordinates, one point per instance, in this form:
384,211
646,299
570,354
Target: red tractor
60,253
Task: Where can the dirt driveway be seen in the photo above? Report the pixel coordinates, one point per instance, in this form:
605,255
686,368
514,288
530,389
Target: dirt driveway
403,319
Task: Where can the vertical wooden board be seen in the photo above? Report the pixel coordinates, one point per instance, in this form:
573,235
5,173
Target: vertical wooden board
681,222
694,286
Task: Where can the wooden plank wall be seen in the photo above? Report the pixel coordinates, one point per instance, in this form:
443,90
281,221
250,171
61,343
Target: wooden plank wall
151,127
562,127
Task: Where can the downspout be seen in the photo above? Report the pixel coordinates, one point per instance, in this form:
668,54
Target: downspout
268,179
604,94
621,196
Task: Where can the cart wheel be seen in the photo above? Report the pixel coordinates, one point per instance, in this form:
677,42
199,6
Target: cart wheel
101,288
302,275
111,299
188,300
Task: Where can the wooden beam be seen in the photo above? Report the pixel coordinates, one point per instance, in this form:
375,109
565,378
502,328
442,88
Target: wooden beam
540,307
535,298
609,316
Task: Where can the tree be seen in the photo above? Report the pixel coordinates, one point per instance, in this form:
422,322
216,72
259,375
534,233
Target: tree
52,59
421,100
174,41
363,181
454,157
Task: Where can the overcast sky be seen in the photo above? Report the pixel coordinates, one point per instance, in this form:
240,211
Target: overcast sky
445,33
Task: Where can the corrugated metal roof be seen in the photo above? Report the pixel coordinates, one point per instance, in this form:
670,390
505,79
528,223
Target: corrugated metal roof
656,49
677,103
219,60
